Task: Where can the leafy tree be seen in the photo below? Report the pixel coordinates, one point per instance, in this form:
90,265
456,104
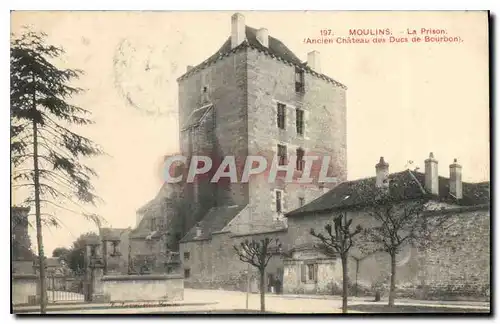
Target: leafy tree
44,151
76,255
61,253
339,240
258,254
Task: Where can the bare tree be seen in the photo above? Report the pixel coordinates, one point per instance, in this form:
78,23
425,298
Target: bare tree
338,241
258,254
400,213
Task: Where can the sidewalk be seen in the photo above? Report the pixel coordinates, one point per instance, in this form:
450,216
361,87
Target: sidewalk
114,305
405,301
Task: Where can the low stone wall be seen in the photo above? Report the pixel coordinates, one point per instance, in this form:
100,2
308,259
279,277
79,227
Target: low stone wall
143,287
24,286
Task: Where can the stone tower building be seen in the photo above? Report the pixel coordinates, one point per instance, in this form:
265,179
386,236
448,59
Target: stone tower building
255,97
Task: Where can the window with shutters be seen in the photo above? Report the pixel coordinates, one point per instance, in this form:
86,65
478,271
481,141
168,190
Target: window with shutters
281,115
300,159
299,121
281,154
279,201
309,273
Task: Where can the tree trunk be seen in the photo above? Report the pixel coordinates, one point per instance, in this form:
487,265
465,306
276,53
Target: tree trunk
39,240
345,281
262,291
392,290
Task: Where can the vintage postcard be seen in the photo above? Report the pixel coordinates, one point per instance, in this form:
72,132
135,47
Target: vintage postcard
250,162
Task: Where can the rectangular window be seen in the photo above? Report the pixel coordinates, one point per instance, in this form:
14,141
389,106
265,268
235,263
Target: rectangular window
153,223
312,272
299,80
300,159
281,154
279,204
186,256
299,121
281,115
301,201
187,273
161,223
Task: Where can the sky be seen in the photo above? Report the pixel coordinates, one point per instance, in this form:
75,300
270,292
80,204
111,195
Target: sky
404,100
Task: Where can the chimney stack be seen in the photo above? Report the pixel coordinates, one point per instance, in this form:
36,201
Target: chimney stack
189,68
237,29
263,36
382,173
456,180
431,175
313,61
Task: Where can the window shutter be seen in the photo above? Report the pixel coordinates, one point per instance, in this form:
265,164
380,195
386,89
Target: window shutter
315,272
303,273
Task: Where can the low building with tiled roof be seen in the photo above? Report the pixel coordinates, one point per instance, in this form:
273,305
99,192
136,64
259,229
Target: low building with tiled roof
453,262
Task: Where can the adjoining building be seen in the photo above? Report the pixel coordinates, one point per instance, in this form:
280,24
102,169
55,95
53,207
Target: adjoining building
455,262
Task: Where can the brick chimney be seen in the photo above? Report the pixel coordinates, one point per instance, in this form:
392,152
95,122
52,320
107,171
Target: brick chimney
263,37
456,180
382,173
237,29
313,61
431,175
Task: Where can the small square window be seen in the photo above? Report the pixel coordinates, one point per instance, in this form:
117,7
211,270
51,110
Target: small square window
301,201
186,256
205,89
187,273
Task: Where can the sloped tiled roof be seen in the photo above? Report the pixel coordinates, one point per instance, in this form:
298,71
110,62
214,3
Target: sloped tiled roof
348,194
215,220
196,116
275,48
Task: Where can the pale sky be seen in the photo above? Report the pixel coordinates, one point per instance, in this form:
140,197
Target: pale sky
403,101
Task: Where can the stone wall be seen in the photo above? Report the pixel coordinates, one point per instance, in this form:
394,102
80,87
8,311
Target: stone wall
226,86
23,286
143,287
215,264
456,263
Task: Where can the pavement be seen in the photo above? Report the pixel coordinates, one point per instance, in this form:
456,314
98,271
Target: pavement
199,301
